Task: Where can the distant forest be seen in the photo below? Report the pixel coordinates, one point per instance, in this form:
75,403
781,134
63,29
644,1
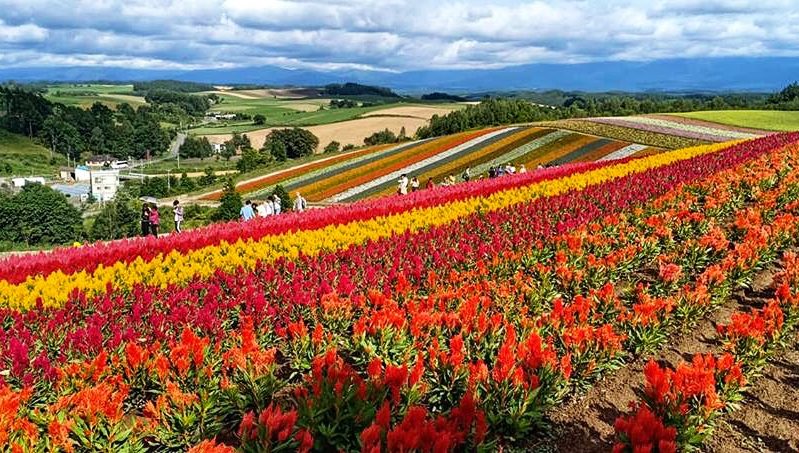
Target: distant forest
492,112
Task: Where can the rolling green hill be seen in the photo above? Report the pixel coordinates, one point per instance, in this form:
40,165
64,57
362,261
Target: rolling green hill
24,158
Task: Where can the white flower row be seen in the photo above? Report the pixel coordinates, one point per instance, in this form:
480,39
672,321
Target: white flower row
418,165
689,127
332,168
521,151
627,151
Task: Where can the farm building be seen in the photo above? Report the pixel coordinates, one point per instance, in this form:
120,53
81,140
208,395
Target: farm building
21,182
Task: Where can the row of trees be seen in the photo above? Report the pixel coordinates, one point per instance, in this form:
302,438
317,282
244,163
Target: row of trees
70,130
493,112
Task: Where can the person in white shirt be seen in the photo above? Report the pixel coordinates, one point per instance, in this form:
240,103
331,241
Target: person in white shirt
511,169
276,204
414,184
299,203
265,209
403,185
522,169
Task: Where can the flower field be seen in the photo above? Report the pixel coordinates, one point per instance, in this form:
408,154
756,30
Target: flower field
374,171
452,319
630,133
661,125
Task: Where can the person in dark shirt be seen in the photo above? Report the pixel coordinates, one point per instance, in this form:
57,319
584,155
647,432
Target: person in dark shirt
145,219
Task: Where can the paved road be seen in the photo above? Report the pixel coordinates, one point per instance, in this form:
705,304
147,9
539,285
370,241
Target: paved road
174,147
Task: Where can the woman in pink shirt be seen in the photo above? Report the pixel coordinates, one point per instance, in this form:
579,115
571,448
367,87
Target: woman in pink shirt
155,220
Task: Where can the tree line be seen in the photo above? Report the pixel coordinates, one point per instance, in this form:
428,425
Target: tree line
71,130
493,112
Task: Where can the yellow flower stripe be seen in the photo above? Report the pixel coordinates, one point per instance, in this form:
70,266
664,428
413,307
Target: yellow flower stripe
179,268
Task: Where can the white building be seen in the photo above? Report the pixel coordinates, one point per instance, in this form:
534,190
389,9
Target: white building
82,173
218,147
21,182
104,184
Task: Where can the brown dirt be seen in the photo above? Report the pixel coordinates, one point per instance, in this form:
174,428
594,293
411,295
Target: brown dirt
423,112
768,419
345,132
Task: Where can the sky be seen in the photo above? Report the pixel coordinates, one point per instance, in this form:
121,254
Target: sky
387,35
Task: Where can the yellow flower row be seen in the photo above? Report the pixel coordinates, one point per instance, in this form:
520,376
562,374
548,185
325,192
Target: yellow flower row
177,268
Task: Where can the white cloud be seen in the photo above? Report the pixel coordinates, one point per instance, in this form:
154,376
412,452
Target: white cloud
388,34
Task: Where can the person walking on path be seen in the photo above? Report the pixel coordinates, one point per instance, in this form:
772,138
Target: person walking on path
155,220
265,209
277,204
414,184
403,185
299,203
145,220
246,211
467,174
430,184
178,209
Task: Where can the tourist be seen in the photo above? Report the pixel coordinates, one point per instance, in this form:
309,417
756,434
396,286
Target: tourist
414,184
178,210
467,174
402,188
451,180
155,220
430,184
510,169
276,204
522,169
492,172
265,209
145,219
299,203
540,167
247,212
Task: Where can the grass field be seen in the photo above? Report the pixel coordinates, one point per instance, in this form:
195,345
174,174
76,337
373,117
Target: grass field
759,119
25,157
84,95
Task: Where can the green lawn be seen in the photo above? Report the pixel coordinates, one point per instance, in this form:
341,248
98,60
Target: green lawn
26,158
772,120
84,95
278,112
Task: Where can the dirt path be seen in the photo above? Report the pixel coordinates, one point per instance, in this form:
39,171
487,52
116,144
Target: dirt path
767,421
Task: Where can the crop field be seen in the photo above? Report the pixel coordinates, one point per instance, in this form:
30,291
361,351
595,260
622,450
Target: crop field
770,120
345,132
84,95
656,289
307,112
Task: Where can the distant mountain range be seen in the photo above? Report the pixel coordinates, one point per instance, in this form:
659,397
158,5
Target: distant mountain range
705,74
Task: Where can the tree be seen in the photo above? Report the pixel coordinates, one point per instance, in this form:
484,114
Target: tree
117,220
378,138
297,142
228,150
332,147
229,204
259,120
196,147
277,149
241,141
285,198
39,215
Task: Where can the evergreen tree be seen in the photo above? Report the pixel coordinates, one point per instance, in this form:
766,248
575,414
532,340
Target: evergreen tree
285,199
230,203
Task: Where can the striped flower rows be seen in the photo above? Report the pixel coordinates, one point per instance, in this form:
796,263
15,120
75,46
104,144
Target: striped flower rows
184,264
454,337
680,129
